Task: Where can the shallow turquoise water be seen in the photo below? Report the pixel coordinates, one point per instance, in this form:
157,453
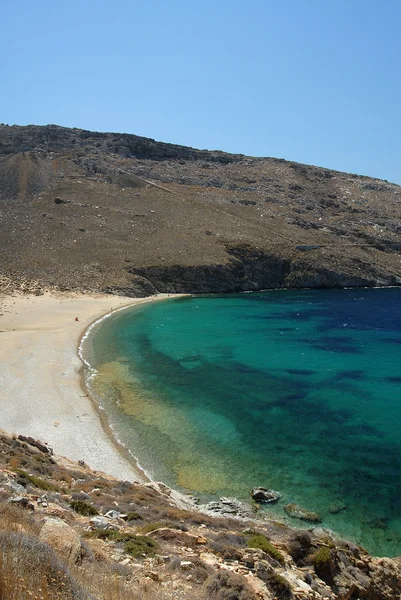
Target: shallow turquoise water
295,391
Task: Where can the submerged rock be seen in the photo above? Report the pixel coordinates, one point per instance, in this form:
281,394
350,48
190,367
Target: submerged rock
297,512
261,494
336,508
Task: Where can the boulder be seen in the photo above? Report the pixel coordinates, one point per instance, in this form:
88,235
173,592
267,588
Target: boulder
261,494
21,501
100,522
62,538
297,512
112,514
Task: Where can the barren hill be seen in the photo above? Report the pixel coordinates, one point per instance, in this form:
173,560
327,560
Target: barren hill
117,212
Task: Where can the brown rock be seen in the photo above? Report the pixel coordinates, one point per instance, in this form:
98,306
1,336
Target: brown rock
62,538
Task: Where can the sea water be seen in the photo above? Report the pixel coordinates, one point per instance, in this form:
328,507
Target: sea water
299,392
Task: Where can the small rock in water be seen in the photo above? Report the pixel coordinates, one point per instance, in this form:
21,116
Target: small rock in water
297,512
261,494
336,508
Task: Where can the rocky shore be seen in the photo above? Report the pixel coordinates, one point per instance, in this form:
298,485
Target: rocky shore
109,539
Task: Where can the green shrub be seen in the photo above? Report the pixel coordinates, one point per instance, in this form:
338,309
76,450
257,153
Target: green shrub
322,557
24,478
104,534
135,545
140,545
83,508
133,516
280,586
323,564
258,540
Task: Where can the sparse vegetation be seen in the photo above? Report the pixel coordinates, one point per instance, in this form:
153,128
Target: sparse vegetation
25,478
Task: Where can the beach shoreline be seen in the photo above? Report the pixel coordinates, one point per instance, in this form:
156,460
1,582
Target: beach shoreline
42,388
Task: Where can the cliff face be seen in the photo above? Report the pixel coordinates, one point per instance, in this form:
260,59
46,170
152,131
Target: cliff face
87,210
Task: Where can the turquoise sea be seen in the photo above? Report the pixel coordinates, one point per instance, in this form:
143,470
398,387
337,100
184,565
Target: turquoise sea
299,392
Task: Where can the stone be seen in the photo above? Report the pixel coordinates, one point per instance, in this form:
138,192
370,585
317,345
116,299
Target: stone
62,538
100,522
297,512
80,496
261,494
336,508
112,514
16,487
22,501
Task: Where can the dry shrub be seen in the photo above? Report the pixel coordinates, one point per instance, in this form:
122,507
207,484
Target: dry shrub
30,570
228,545
229,586
14,462
15,518
299,547
108,583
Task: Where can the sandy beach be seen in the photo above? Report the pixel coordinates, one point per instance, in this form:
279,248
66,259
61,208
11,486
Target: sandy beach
41,392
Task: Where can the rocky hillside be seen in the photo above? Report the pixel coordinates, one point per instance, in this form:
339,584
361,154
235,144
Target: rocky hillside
105,211
68,533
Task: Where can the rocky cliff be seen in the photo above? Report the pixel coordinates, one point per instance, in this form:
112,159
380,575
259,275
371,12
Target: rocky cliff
117,212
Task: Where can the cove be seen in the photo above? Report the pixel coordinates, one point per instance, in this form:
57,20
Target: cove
295,391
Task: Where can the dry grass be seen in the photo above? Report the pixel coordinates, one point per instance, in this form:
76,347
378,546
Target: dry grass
16,519
30,570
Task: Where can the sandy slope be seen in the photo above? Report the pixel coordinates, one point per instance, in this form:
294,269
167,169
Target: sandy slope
40,385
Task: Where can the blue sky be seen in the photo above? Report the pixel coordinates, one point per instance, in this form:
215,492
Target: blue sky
315,81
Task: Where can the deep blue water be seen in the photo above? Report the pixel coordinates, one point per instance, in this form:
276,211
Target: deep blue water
295,391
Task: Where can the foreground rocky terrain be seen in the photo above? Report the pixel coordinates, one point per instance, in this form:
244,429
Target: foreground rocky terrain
69,533
104,211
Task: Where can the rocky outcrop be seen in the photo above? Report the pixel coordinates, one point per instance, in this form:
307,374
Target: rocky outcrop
251,269
53,138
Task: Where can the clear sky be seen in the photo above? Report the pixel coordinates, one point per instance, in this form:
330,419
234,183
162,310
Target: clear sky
315,81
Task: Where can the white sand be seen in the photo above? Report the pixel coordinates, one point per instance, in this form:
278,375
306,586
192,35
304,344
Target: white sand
40,384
